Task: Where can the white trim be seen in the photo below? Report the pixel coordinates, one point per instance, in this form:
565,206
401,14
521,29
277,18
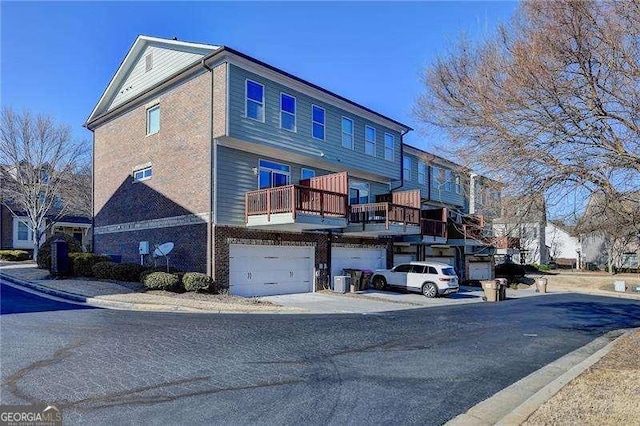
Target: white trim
303,169
21,244
353,133
324,125
366,141
143,170
295,113
246,97
393,146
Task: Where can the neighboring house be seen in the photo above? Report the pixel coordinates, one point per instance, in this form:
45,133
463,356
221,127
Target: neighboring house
15,232
610,232
562,244
265,181
525,220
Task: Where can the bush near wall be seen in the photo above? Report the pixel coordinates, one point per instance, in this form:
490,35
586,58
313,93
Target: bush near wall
148,271
195,281
161,281
44,252
82,263
127,272
14,255
103,270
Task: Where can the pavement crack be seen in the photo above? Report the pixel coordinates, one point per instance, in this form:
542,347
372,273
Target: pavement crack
11,382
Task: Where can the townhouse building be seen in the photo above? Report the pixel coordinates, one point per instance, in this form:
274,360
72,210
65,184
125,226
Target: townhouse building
263,180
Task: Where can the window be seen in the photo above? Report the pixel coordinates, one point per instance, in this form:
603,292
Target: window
287,112
458,188
254,106
402,268
418,269
437,178
148,62
153,120
431,270
358,193
449,272
406,166
447,180
422,172
142,174
389,142
347,133
370,140
273,174
307,174
317,116
24,233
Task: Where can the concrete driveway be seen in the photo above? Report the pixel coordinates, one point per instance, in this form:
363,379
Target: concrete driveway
369,301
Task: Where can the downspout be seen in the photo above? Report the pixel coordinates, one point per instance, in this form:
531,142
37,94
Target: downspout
93,191
401,162
210,269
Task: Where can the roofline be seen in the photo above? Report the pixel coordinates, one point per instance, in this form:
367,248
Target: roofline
220,51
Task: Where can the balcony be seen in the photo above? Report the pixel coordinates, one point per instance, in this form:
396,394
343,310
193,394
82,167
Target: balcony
378,219
295,208
506,245
433,231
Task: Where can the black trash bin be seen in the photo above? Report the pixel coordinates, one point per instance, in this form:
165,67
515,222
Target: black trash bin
502,288
356,276
59,257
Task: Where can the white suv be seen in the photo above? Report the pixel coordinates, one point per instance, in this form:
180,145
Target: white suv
432,279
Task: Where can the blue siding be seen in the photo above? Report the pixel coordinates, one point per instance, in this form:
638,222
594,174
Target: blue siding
439,192
270,133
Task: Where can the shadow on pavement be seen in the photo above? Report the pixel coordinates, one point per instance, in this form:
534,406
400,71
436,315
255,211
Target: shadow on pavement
14,301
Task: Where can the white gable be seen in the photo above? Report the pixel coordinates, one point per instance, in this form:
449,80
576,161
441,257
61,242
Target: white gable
132,78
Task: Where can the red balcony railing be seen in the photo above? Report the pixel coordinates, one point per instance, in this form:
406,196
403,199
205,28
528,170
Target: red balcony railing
506,242
433,228
386,213
295,199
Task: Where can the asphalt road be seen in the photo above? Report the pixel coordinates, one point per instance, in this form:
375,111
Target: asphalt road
420,366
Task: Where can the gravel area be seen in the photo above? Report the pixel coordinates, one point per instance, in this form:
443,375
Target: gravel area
606,394
220,298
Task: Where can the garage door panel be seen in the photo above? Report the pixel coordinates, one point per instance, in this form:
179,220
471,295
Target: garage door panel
256,270
357,258
479,271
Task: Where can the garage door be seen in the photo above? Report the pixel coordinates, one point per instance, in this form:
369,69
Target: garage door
267,270
403,258
479,271
357,258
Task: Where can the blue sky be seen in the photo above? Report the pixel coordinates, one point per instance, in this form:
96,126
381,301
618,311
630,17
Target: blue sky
58,57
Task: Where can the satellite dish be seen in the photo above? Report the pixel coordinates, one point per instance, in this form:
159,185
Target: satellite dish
163,249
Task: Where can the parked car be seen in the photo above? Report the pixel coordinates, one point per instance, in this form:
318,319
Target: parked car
432,279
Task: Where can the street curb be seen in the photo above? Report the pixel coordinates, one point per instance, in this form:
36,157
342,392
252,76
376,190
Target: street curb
514,404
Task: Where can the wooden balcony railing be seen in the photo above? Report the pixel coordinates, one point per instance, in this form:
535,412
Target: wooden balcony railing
386,213
506,242
295,199
433,228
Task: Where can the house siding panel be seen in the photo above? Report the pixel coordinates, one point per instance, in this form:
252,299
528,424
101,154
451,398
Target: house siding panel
440,194
301,141
165,63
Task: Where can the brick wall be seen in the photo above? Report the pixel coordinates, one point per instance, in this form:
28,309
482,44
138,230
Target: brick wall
189,254
178,153
6,230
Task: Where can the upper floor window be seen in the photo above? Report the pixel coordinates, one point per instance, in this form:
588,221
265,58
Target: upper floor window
255,100
142,174
458,186
389,142
347,133
318,117
307,173
24,233
422,172
272,174
370,140
358,193
437,176
287,112
447,180
153,120
406,165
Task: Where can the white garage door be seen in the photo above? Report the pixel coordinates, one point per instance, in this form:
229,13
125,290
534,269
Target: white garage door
479,271
268,270
448,260
403,258
357,258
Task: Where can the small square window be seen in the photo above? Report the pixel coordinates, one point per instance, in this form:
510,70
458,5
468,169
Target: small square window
307,174
153,120
142,174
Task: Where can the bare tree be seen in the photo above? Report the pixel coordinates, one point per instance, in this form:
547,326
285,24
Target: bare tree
39,162
550,104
